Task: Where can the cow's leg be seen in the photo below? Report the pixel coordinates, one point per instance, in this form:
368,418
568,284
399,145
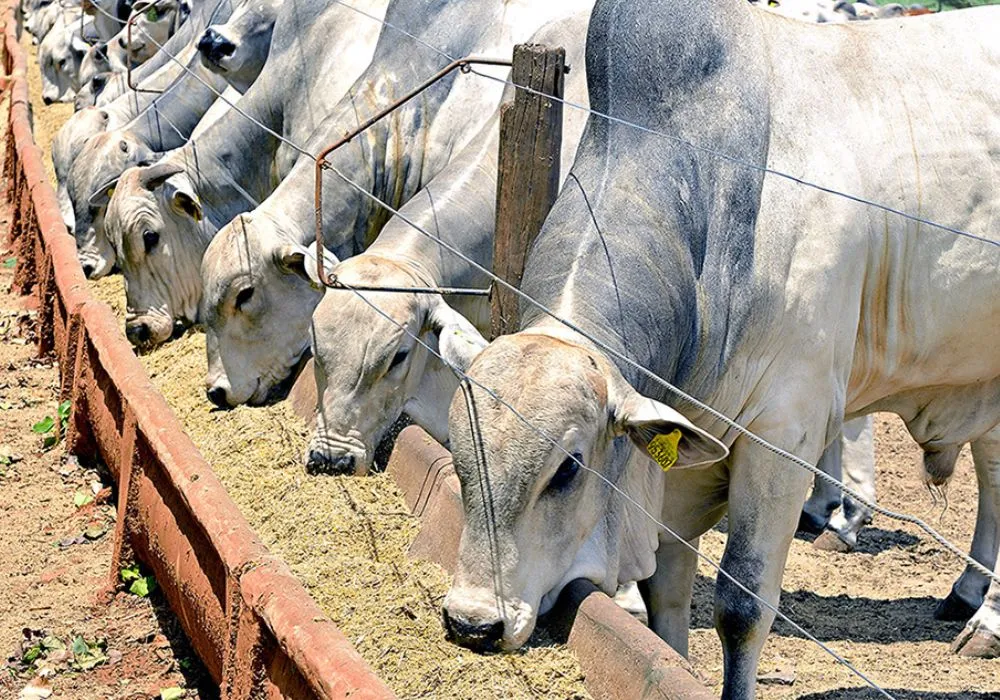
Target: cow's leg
825,497
981,636
858,465
765,497
667,593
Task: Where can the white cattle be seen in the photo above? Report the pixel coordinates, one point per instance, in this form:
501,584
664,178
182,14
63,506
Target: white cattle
218,174
59,56
784,307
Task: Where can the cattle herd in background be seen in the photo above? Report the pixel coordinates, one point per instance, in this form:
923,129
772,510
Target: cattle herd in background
206,209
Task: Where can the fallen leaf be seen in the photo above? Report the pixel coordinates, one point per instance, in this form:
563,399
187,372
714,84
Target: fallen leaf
94,533
174,693
143,586
130,573
45,425
10,262
81,498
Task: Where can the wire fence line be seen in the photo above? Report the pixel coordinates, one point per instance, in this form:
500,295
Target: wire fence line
649,374
735,160
753,437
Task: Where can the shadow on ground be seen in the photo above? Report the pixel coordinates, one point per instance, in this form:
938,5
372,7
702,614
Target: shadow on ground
899,694
831,618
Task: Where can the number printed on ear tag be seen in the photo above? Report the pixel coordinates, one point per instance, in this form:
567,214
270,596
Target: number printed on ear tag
663,448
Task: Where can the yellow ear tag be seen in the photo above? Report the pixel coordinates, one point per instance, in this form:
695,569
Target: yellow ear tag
663,448
111,193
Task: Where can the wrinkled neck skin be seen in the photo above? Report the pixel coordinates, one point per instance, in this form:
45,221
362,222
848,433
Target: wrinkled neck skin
223,165
652,256
171,117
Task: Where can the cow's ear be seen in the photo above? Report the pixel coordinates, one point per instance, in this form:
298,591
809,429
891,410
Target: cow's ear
666,436
78,46
184,199
102,195
298,260
458,340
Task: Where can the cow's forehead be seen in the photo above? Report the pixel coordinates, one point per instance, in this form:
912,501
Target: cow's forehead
553,384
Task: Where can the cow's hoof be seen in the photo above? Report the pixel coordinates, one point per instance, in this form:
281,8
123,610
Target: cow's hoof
977,642
830,541
954,609
810,524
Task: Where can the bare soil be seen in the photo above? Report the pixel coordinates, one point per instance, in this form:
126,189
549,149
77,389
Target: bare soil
346,539
55,556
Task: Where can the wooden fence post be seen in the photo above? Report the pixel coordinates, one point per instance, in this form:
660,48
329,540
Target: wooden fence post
528,170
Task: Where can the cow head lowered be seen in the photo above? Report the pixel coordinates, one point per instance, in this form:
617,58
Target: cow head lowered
238,48
153,22
59,56
92,180
534,519
257,305
369,370
154,223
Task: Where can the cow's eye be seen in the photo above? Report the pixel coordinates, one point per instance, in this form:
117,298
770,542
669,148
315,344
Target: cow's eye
149,240
398,359
566,472
245,295
62,62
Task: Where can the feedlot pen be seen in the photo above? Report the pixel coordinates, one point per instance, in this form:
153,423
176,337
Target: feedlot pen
346,539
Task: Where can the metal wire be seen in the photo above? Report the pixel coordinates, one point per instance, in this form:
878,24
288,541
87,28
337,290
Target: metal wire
753,437
735,160
649,374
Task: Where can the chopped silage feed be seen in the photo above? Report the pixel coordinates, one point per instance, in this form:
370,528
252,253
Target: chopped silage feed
346,539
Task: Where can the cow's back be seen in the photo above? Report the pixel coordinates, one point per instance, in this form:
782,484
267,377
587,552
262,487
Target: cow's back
905,113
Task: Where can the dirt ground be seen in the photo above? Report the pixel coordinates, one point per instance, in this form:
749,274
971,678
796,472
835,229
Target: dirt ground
345,538
55,553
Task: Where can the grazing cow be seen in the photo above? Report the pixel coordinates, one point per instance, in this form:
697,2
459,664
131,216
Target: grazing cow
109,15
238,49
784,307
392,161
164,125
219,175
153,23
115,108
59,55
367,371
40,21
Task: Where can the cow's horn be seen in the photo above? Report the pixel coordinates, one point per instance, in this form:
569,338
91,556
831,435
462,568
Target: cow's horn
155,175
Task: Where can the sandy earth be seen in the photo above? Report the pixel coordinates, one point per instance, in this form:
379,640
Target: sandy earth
346,540
55,556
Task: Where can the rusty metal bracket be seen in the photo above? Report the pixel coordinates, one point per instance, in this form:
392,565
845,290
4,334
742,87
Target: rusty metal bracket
128,60
462,64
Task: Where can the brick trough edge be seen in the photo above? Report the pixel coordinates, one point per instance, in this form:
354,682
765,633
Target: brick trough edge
621,658
250,620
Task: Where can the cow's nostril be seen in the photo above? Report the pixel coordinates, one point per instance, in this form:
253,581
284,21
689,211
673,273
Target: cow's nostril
217,395
343,464
137,333
478,636
206,40
317,463
46,100
88,271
